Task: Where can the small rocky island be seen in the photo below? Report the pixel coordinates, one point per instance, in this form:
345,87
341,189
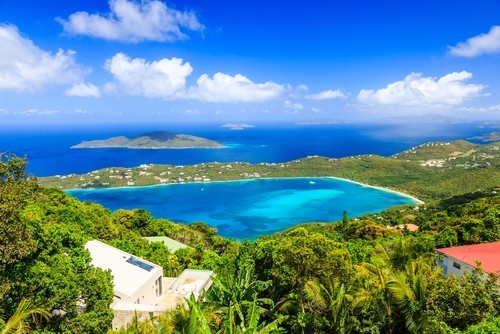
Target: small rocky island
152,140
237,126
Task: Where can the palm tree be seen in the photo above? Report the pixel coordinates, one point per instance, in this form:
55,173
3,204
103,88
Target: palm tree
372,290
410,289
373,293
19,320
402,252
175,321
252,322
331,299
145,326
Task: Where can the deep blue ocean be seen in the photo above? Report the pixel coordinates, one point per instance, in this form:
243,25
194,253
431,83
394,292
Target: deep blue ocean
48,148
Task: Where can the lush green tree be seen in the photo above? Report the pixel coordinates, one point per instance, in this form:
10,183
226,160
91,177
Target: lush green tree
489,326
465,301
16,192
296,258
447,238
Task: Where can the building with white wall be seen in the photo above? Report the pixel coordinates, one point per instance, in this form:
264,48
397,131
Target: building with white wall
458,260
139,286
136,281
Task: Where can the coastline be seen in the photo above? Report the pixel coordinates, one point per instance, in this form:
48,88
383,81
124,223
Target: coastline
418,201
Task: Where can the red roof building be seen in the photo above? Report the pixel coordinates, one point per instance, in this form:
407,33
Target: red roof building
457,260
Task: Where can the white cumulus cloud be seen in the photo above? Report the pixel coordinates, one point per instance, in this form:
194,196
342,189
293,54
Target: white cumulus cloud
130,21
84,90
327,95
488,43
416,90
165,78
226,88
24,67
294,106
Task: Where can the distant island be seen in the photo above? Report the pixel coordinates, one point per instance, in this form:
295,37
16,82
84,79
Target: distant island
237,126
152,140
490,137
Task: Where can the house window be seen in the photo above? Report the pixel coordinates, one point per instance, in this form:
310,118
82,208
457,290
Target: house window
456,265
158,287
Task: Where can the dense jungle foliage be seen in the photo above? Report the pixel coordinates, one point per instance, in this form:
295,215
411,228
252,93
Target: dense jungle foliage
353,276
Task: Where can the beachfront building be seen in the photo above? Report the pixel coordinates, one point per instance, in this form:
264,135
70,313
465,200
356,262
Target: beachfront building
140,287
458,260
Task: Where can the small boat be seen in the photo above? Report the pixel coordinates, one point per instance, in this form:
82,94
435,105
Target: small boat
312,182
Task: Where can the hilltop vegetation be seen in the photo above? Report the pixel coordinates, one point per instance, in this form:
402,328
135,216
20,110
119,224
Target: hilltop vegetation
477,167
152,140
437,150
355,276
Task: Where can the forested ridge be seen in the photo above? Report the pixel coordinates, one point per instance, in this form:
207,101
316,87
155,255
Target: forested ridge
353,276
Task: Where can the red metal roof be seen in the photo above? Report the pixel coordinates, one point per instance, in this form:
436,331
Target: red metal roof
488,254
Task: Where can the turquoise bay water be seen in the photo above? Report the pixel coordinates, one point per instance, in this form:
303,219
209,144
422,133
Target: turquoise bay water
250,208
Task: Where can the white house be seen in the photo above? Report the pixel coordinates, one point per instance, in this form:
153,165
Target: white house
139,286
458,260
136,281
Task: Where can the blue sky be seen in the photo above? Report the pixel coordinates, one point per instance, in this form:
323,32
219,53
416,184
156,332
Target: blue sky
124,61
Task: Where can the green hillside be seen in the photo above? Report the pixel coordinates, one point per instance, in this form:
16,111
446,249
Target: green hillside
437,150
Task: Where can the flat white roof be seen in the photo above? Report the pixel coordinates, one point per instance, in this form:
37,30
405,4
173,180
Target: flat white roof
191,281
129,272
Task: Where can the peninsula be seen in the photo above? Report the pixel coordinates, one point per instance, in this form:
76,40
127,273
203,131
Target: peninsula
490,137
428,171
152,140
